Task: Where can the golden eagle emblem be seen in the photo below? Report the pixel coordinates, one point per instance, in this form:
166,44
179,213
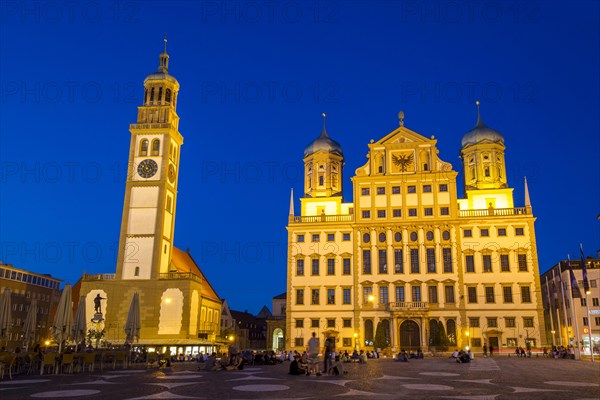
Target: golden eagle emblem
402,161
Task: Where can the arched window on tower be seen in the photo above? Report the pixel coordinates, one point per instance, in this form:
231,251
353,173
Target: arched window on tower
155,147
151,95
168,95
144,147
145,96
159,95
137,271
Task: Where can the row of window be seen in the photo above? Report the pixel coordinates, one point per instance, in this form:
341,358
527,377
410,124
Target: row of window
595,301
28,278
144,147
596,321
485,232
20,307
151,94
315,322
509,322
381,190
415,291
431,263
366,237
412,212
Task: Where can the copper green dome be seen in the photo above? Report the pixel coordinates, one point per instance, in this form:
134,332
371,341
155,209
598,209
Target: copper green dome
480,133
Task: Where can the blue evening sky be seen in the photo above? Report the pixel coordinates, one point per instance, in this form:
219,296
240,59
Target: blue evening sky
255,78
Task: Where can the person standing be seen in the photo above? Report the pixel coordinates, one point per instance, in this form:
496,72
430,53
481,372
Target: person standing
314,345
491,350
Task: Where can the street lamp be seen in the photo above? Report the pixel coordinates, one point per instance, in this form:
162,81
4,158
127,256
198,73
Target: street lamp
553,332
355,341
371,298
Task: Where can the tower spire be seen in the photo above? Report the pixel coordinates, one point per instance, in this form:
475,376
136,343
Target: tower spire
163,58
527,198
324,131
480,122
292,202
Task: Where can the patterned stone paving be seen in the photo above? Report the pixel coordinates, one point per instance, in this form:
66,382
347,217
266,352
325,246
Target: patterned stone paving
435,378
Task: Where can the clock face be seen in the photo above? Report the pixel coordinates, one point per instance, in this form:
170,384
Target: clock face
171,173
147,168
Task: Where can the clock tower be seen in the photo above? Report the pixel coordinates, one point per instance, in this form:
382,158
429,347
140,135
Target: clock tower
148,222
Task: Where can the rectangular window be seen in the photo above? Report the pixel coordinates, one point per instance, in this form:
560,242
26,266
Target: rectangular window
399,293
595,302
346,237
492,322
300,296
347,296
504,263
381,190
432,294
366,214
519,232
314,323
509,322
383,295
366,262
443,187
395,189
315,266
331,237
467,233
472,294
414,261
300,238
426,188
430,253
474,322
447,257
347,323
367,292
489,294
583,302
507,293
593,283
396,213
525,294
428,211
383,261
331,323
299,267
449,292
511,342
398,261
330,296
299,342
522,260
331,266
501,231
412,212
411,189
365,191
585,321
299,323
347,342
470,263
597,321
346,266
444,211
484,232
380,213
487,263
416,293
316,237
315,297
528,322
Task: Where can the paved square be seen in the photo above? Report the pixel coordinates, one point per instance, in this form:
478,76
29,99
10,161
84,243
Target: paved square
432,378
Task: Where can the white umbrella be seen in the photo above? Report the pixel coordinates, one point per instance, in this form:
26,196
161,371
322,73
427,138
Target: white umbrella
30,324
79,328
5,314
133,325
61,327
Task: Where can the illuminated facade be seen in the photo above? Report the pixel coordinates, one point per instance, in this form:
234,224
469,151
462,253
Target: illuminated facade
407,256
179,308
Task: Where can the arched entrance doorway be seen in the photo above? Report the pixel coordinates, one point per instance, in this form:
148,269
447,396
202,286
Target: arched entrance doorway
277,339
410,335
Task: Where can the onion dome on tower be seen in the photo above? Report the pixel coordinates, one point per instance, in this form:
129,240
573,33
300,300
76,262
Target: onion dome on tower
481,132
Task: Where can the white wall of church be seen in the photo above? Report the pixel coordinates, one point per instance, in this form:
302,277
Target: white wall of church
144,196
171,312
138,253
142,221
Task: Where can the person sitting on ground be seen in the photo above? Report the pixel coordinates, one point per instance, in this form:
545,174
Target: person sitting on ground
362,357
345,357
454,355
464,357
296,367
420,354
336,367
412,356
211,363
402,357
237,364
224,361
355,355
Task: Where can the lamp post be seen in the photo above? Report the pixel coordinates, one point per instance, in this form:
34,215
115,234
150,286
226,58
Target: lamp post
553,333
468,339
355,341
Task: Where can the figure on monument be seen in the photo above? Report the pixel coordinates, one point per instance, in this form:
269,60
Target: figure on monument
97,304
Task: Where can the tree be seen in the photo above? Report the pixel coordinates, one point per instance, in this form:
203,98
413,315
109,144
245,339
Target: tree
441,340
382,335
